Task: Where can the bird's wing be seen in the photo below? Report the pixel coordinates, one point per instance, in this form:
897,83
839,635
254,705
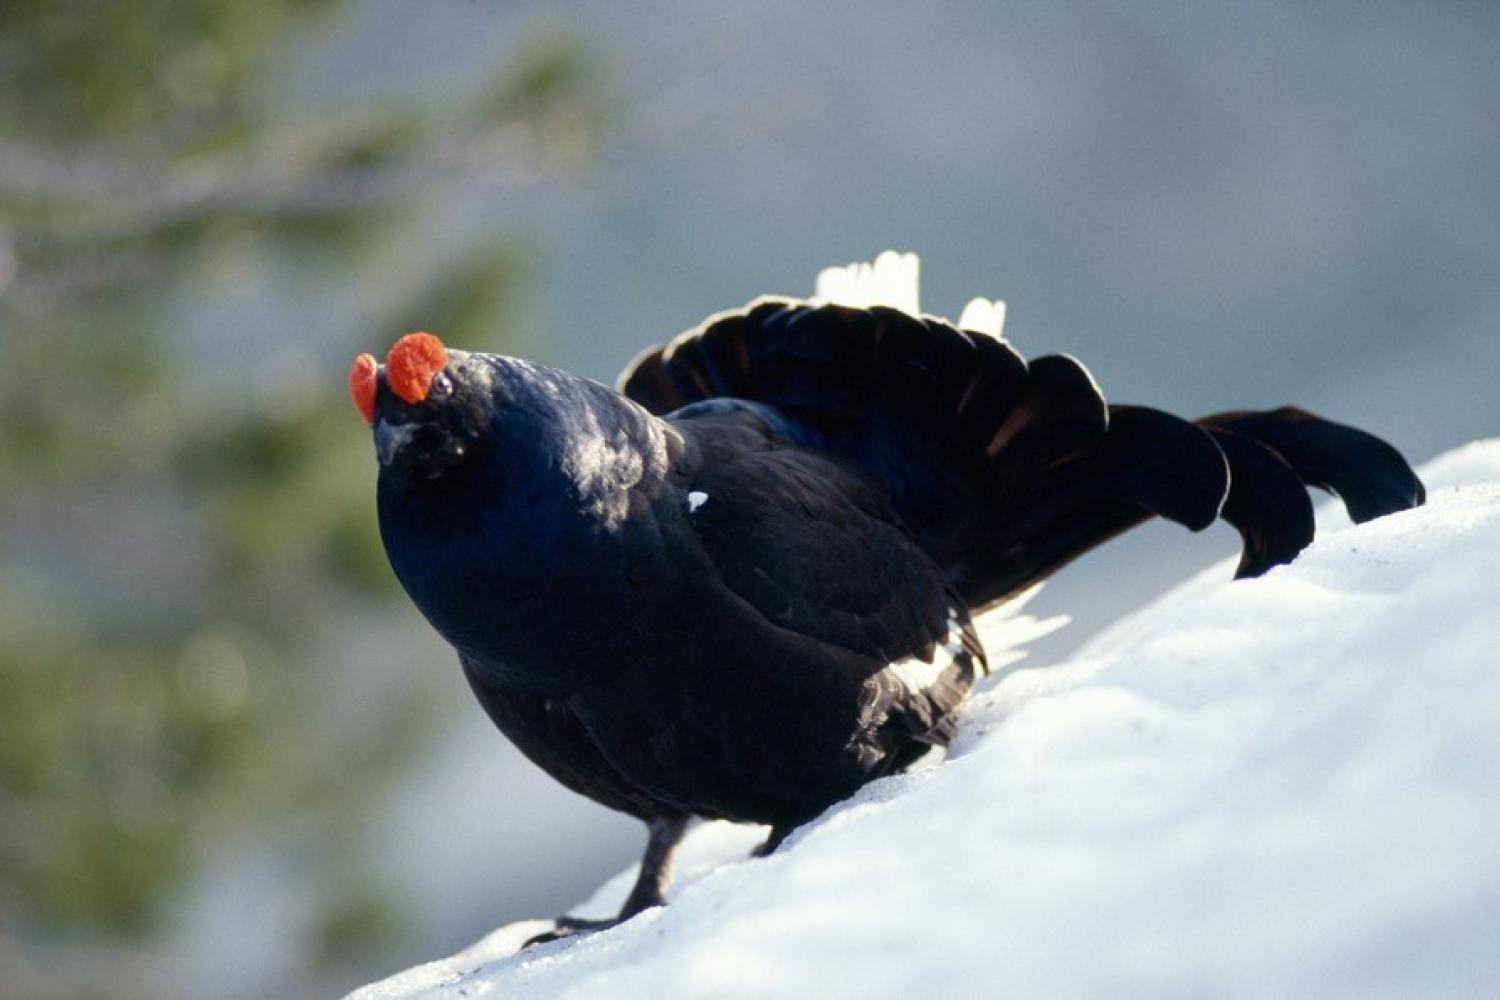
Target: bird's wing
812,548
551,736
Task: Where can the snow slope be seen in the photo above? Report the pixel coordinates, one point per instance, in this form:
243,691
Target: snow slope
1287,786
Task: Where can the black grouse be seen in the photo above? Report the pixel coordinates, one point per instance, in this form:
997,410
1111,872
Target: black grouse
743,585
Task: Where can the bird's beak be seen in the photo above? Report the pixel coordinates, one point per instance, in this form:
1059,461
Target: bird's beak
390,439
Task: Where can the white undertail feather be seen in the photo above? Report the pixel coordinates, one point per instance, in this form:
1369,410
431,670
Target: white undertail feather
918,675
892,279
1005,630
895,279
984,316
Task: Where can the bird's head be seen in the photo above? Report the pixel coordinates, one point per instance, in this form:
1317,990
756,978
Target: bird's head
427,405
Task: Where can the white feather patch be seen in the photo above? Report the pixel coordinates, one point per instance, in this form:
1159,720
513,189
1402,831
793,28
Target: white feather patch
917,675
984,316
696,499
893,279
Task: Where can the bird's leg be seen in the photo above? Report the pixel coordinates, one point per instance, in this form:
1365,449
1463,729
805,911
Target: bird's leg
662,839
773,841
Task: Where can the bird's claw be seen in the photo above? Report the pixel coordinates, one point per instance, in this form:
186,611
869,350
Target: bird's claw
567,927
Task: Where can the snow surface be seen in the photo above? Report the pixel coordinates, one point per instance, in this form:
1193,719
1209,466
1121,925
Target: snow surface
1287,786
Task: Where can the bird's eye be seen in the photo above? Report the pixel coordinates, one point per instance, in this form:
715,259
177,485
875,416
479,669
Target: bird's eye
441,386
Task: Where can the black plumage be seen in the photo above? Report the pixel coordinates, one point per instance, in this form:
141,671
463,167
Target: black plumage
741,586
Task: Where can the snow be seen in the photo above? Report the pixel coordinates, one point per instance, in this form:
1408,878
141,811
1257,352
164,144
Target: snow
1287,786
1006,631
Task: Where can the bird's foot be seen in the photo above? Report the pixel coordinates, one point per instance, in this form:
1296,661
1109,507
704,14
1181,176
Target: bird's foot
773,841
661,845
567,927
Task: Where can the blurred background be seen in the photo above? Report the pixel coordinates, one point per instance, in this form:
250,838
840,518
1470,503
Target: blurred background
234,762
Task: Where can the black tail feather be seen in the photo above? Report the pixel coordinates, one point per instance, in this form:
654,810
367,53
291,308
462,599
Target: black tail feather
1365,472
1267,504
1148,463
1151,461
1060,412
1006,470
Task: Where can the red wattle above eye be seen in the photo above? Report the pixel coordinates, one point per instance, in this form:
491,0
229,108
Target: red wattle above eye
412,364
